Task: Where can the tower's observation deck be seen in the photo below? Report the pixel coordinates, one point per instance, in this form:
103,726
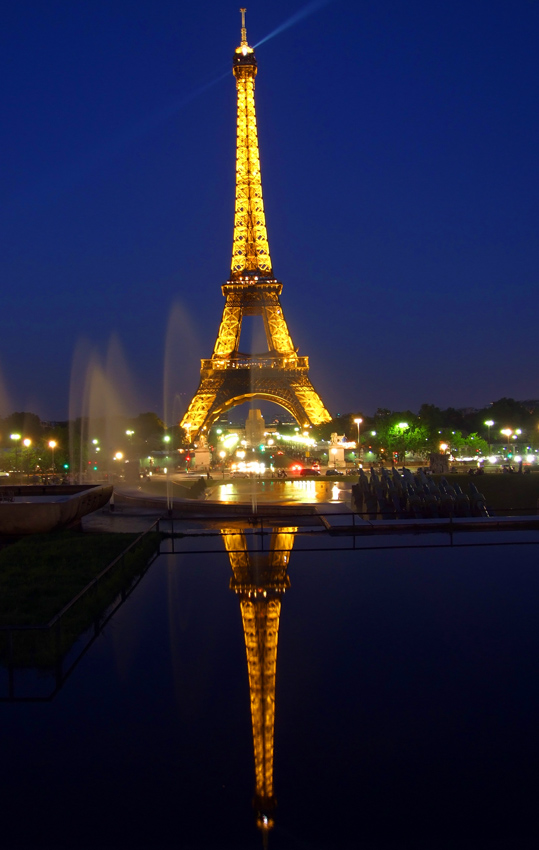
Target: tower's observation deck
231,377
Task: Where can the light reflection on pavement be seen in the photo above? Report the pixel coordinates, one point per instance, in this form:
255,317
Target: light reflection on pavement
278,492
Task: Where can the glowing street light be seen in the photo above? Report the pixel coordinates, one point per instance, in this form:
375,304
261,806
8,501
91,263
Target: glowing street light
16,438
52,446
27,442
507,432
489,423
402,426
358,422
334,453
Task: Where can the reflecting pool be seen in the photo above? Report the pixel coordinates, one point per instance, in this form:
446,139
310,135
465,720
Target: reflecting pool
310,691
292,491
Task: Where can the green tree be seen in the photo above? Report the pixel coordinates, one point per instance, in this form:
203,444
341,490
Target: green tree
431,417
403,437
26,424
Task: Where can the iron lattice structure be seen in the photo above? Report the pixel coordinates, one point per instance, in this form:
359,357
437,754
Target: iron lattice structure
230,377
260,581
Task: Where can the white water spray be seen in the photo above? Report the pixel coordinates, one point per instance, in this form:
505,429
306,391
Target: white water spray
181,363
101,396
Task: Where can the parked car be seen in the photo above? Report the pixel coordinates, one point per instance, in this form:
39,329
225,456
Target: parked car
333,472
307,473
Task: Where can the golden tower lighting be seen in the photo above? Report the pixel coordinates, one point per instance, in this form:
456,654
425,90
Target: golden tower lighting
231,377
260,580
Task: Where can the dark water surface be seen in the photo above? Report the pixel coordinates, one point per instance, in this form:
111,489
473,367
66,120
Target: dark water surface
407,709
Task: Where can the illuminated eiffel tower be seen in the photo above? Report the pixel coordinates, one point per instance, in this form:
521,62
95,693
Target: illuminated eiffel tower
230,377
260,579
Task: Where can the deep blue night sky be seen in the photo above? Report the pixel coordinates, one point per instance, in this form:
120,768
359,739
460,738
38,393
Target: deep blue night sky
399,148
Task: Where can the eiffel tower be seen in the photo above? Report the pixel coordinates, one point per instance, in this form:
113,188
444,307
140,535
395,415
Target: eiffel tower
260,581
230,377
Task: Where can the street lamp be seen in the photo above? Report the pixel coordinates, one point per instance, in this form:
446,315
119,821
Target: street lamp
507,433
334,453
27,442
16,438
489,423
358,422
52,446
403,426
166,440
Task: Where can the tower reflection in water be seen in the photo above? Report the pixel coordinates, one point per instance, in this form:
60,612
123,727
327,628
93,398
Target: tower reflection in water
260,579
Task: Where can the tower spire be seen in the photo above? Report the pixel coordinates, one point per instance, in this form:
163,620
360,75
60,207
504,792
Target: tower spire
250,249
243,29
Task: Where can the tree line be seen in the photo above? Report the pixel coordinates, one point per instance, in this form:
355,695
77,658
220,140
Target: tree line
386,433
463,432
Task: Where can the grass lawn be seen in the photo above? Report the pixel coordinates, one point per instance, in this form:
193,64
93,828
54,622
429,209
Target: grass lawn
40,574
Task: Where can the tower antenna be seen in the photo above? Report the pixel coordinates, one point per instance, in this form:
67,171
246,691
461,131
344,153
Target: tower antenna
243,29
